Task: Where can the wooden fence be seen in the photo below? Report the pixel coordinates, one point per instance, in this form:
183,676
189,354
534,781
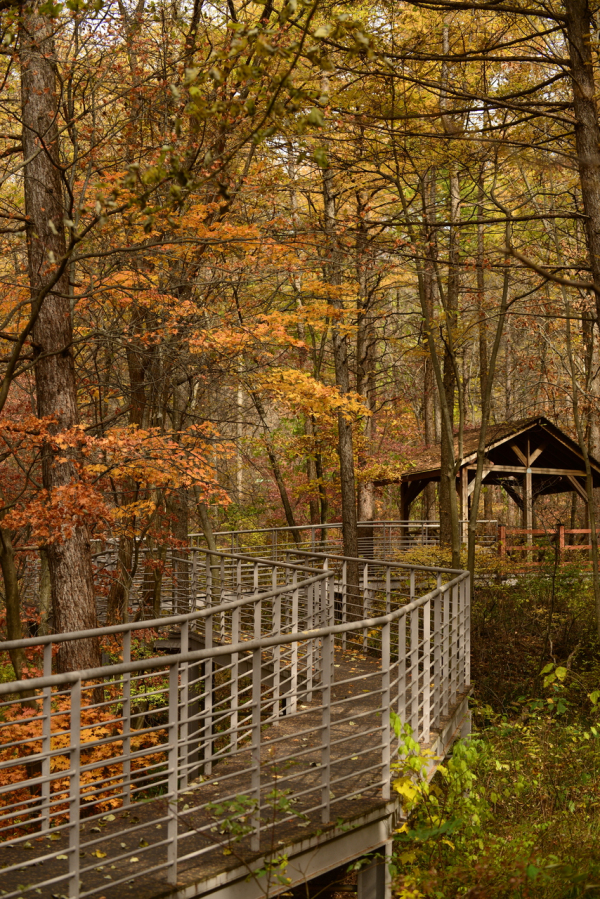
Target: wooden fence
555,538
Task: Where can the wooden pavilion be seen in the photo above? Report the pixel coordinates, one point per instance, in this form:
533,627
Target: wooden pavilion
527,458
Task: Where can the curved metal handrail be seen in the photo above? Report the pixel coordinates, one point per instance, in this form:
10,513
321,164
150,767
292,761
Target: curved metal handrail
272,704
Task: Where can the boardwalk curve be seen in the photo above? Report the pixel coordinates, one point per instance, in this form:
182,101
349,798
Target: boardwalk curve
257,726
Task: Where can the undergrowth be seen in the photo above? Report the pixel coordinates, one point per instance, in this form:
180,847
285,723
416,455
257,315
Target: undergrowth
515,812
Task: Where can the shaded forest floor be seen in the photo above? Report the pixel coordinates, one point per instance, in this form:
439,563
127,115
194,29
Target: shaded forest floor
516,812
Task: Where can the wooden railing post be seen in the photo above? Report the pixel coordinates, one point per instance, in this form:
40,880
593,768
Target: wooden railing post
502,540
561,542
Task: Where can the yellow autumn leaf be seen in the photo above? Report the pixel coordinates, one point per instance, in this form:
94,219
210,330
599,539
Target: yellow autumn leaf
405,787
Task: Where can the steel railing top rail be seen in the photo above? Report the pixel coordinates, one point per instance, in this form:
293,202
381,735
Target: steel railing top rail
216,651
389,563
171,619
338,524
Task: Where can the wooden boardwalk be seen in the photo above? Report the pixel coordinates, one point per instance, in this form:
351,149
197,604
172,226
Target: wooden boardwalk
299,750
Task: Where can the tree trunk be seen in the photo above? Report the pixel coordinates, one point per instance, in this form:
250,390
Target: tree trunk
177,507
45,595
118,596
365,359
447,476
69,557
275,468
342,380
449,525
323,500
486,403
12,600
449,519
14,630
430,415
482,328
587,129
589,480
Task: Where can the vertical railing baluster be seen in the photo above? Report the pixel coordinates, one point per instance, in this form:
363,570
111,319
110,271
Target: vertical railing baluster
344,599
208,580
326,730
388,590
414,672
235,678
277,629
46,741
256,691
208,697
401,710
257,619
426,671
126,714
365,602
385,708
437,656
445,652
238,578
184,735
331,620
467,629
172,776
309,648
293,703
454,647
74,788
194,581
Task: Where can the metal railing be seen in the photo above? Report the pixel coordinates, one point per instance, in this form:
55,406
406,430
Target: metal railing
207,737
377,539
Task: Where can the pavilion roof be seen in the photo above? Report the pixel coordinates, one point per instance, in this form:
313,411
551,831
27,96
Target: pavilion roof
560,450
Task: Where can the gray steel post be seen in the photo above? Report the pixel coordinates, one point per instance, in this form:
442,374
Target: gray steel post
256,709
172,764
74,788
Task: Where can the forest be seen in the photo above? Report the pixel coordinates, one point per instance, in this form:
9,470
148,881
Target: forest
257,256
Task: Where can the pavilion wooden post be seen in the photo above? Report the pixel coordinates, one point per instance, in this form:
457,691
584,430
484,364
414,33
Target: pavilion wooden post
528,498
561,542
404,510
464,503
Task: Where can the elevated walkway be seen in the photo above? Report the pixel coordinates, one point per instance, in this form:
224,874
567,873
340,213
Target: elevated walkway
257,725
